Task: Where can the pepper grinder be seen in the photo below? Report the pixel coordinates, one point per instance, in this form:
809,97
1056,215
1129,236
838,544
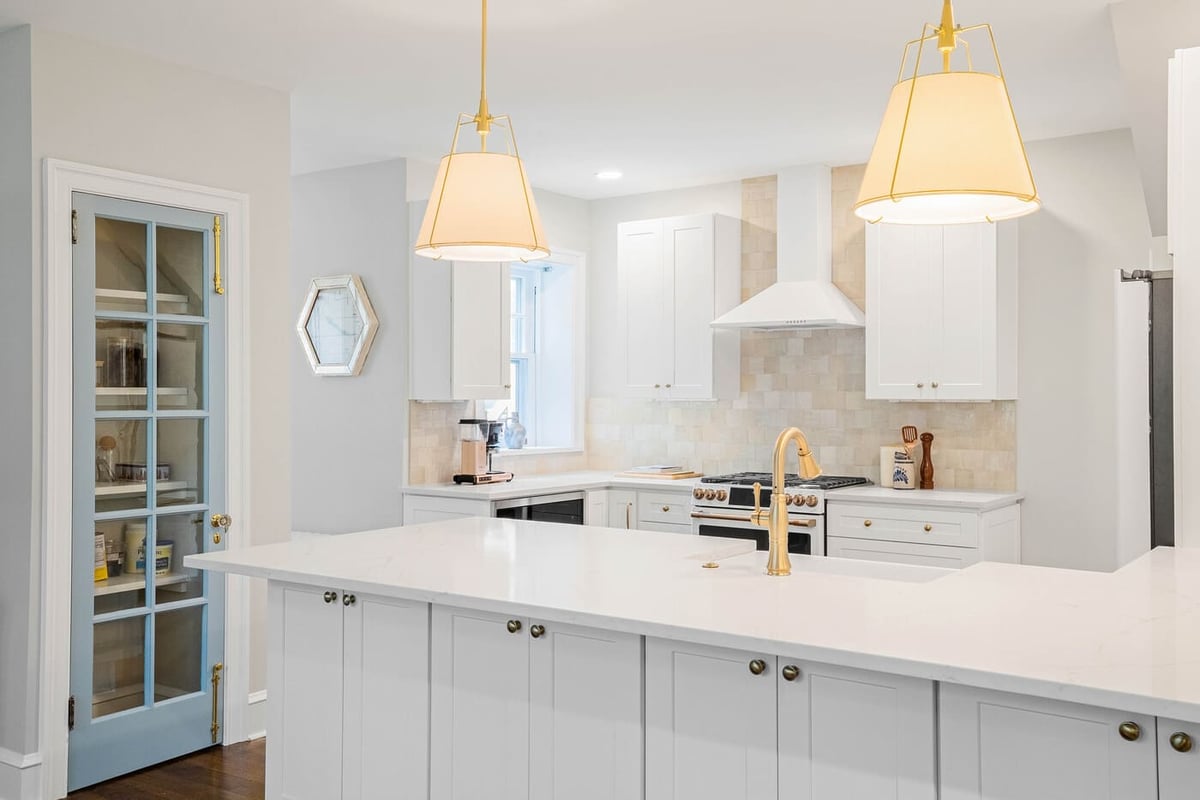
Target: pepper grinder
927,461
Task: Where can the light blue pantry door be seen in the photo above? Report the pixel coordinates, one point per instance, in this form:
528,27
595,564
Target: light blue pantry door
149,474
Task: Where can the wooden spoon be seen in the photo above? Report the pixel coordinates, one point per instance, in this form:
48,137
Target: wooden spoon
909,434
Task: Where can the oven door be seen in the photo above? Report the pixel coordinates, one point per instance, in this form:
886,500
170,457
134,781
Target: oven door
806,535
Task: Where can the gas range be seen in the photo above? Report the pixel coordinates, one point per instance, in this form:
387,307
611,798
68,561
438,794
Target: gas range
736,492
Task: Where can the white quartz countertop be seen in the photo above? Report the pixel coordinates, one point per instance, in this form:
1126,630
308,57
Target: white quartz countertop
534,485
929,498
1128,640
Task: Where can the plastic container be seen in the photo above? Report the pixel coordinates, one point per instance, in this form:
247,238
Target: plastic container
135,547
164,552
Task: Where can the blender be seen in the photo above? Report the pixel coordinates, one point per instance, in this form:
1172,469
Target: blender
479,439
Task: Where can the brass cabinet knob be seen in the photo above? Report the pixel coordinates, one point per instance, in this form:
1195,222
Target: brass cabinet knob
666,509
928,527
349,599
790,672
1130,731
920,386
657,386
537,631
330,596
866,523
934,384
1181,742
668,386
758,666
514,625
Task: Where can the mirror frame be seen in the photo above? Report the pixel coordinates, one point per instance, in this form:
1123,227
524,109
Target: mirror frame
365,338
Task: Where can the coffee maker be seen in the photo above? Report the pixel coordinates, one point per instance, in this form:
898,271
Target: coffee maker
479,439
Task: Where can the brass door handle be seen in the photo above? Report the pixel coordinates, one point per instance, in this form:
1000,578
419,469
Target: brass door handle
537,631
1181,742
330,597
628,511
349,599
1130,731
790,672
514,625
220,523
758,666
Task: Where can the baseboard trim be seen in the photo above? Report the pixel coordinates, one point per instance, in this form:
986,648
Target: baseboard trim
20,775
256,715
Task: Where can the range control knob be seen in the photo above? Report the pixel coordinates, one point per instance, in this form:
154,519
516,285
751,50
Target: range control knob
812,500
795,499
721,495
698,494
709,494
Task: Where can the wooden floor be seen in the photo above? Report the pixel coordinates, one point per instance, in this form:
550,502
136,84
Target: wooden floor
219,773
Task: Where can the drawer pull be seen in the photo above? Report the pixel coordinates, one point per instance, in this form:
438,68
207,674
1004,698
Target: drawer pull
537,631
866,523
329,597
1181,742
666,509
758,666
928,527
790,672
514,625
1130,731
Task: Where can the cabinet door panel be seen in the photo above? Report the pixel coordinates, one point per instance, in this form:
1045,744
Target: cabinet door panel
998,746
482,350
479,716
586,715
1178,767
847,733
304,734
901,263
644,317
622,509
710,724
386,695
966,345
688,255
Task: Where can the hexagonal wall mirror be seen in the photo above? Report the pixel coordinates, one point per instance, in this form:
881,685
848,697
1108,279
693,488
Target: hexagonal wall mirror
337,325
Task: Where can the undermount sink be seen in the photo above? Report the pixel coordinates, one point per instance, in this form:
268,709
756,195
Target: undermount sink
878,570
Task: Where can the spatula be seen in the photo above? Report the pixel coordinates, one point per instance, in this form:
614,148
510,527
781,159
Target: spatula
909,434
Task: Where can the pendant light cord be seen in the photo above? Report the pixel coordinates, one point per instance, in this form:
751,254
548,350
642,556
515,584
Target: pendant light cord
483,119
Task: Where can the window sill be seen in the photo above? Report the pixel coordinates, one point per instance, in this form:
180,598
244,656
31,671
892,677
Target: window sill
540,451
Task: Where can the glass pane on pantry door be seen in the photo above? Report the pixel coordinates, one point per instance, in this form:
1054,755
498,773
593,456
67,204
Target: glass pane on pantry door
179,535
121,585
180,366
118,665
178,648
181,458
121,457
120,365
180,272
120,265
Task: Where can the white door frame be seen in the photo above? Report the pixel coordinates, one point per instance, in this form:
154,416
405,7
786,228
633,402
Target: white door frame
61,179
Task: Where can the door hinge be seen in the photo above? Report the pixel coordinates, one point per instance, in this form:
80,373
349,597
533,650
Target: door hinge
74,226
71,713
218,286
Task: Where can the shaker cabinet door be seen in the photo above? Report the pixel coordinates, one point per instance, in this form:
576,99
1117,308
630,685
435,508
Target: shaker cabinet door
903,265
710,723
846,733
965,298
690,267
1178,760
482,351
644,318
479,715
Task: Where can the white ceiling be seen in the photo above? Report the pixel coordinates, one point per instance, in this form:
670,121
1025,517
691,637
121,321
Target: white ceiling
672,93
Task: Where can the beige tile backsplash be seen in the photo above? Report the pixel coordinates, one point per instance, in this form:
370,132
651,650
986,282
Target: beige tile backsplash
814,380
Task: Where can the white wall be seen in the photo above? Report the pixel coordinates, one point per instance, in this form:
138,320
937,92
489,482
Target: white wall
113,108
1131,445
348,433
1186,241
604,359
1094,221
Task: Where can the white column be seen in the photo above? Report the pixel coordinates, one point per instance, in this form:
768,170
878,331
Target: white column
1185,239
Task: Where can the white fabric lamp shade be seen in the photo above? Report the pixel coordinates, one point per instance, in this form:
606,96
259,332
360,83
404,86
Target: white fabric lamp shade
959,158
481,209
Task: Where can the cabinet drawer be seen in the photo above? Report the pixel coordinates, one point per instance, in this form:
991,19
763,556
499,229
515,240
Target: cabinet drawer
673,508
899,524
923,555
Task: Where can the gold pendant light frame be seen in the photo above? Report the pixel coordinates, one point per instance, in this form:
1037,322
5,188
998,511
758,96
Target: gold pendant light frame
949,37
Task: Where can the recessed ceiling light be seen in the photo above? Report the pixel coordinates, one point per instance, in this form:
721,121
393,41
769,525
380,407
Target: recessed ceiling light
608,175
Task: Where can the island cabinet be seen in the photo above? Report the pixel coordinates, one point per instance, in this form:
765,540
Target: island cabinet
523,710
736,725
996,746
348,679
1178,760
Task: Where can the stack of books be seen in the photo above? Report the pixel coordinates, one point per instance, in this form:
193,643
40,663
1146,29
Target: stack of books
670,472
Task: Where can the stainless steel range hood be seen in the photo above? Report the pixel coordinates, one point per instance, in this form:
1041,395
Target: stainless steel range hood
803,296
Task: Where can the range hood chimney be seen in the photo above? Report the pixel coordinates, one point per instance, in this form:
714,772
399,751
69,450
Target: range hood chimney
803,296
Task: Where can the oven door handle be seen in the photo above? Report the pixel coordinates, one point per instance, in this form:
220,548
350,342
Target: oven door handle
795,523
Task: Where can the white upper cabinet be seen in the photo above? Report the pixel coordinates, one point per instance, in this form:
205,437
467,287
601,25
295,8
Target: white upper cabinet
459,339
674,277
941,312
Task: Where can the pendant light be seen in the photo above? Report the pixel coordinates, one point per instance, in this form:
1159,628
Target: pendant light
949,150
481,207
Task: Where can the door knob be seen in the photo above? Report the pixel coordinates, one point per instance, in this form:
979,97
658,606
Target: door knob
514,625
330,597
758,666
1130,731
790,672
349,599
537,631
220,524
1181,742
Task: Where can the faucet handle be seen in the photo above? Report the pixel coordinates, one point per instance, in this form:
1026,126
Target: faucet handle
759,518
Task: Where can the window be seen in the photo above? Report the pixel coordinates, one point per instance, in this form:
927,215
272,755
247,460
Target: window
546,367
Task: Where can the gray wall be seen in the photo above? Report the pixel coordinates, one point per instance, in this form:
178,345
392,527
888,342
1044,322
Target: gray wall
349,433
20,434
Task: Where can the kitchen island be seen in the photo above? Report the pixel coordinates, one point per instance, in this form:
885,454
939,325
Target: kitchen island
485,658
